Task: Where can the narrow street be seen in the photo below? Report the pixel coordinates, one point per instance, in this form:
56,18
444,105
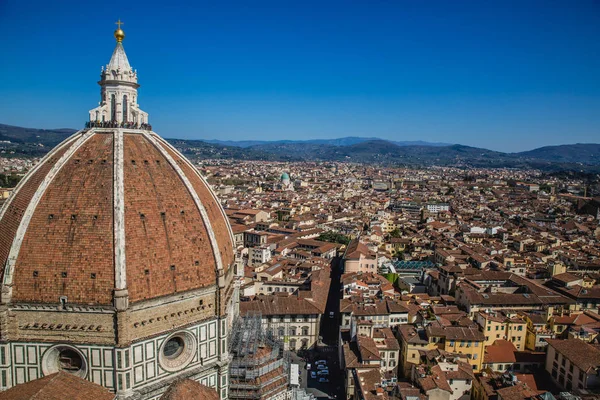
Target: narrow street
330,327
328,350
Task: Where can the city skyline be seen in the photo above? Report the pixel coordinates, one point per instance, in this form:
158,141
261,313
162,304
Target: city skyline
507,77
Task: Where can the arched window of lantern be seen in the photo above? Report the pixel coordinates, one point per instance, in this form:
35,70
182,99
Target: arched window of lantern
125,117
113,107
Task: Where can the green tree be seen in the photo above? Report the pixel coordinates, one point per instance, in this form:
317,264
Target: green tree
334,237
395,233
9,180
280,215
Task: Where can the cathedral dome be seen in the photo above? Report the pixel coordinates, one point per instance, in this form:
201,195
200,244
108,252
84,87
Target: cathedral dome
112,209
116,258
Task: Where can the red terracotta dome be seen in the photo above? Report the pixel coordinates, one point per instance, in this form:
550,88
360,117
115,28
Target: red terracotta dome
108,210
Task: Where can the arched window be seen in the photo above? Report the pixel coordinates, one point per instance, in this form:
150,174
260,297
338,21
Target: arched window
125,117
281,332
97,115
293,344
293,331
305,330
113,107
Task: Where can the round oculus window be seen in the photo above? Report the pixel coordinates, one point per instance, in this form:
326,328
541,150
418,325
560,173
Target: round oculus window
64,358
174,347
177,351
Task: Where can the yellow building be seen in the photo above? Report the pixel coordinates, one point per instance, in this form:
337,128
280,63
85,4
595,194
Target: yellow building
412,342
389,224
502,325
538,331
460,340
5,193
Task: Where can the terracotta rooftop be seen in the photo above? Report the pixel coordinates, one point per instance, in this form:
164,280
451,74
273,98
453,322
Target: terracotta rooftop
520,391
304,302
185,389
585,356
58,386
455,332
502,351
356,249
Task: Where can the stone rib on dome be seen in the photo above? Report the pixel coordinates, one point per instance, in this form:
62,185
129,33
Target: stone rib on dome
13,210
176,235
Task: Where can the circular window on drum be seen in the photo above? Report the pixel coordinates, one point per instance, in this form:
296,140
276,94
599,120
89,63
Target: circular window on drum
177,351
64,358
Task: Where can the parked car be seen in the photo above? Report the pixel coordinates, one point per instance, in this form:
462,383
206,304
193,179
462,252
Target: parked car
323,380
323,372
331,314
313,374
321,362
308,366
321,366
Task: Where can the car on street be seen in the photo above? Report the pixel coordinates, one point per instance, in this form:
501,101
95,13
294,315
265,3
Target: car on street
308,366
313,374
331,314
321,366
323,372
321,362
323,380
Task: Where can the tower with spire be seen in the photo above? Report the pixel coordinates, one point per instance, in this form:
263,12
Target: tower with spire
119,84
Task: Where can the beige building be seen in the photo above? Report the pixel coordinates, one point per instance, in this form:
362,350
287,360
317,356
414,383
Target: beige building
293,318
574,365
358,258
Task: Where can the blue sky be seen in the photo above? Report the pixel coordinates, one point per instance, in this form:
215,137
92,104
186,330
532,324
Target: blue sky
505,75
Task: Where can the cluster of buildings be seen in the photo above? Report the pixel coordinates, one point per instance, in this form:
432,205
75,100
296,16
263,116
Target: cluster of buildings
449,282
16,165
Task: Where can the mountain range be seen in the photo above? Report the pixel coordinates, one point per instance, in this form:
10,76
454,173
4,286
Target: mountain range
575,157
345,141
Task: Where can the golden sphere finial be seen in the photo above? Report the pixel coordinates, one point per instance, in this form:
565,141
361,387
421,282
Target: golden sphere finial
119,34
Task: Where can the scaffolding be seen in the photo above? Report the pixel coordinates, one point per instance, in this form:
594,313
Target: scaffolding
300,394
259,368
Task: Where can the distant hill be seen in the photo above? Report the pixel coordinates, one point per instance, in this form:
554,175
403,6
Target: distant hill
345,141
49,137
586,153
575,157
381,151
17,141
203,150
